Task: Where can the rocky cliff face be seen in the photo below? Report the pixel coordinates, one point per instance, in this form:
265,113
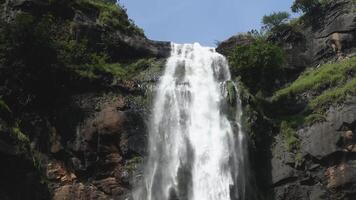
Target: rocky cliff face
89,142
80,131
322,166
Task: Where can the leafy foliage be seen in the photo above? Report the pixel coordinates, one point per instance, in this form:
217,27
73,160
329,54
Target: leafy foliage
305,6
290,136
258,64
114,16
41,56
275,20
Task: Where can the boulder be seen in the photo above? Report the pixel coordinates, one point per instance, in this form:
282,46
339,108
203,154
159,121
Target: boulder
282,172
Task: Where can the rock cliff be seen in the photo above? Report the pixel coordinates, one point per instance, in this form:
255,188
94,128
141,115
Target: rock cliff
73,129
316,160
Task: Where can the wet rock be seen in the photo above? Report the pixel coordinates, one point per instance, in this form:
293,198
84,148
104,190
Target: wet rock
55,141
79,191
57,172
109,186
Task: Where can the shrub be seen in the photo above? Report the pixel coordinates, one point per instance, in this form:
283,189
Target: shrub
275,20
114,16
290,137
258,64
305,6
27,41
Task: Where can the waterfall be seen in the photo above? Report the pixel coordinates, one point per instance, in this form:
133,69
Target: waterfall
195,151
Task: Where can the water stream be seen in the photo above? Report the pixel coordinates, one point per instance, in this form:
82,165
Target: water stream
196,151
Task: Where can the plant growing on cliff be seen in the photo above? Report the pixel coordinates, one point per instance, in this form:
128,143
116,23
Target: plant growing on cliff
259,64
114,16
275,20
305,6
4,107
290,137
329,84
334,96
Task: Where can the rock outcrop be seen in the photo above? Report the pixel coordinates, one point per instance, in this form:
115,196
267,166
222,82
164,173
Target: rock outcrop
325,166
90,143
322,166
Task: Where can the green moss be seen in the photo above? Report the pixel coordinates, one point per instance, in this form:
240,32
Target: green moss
290,137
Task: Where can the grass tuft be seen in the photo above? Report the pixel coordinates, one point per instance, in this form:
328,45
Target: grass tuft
290,136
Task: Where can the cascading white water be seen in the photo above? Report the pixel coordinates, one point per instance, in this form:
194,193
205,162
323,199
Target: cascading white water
195,152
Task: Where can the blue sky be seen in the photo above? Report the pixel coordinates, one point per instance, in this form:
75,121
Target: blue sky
203,21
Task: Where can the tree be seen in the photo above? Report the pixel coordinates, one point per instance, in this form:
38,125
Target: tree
259,64
111,1
275,19
305,6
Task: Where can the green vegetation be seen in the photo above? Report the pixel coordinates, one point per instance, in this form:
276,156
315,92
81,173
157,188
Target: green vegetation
327,85
309,6
115,70
4,108
339,76
314,118
298,160
43,55
258,64
114,16
275,20
132,163
231,92
289,135
305,6
334,96
18,136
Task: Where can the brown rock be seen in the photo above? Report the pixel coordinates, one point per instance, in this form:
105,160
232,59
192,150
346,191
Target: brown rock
109,186
109,121
113,158
79,191
349,135
56,171
340,175
55,139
